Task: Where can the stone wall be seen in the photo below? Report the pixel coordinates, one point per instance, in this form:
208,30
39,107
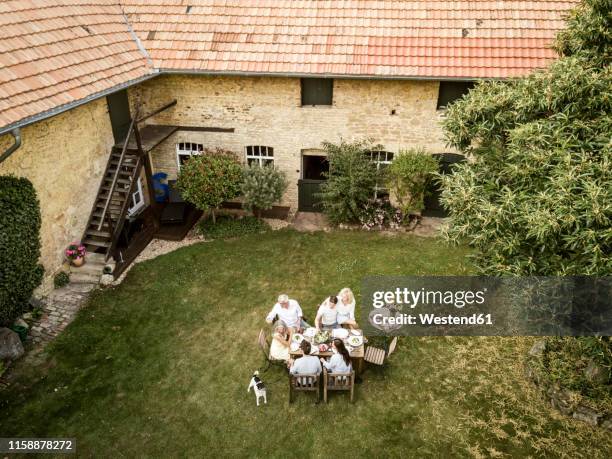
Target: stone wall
267,111
64,157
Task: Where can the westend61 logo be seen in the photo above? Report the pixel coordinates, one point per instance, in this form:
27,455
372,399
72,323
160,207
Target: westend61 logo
487,306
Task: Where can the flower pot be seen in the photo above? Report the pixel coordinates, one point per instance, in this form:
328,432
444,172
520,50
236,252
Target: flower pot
78,261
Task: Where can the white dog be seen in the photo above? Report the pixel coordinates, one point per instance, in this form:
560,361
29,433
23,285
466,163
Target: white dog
258,387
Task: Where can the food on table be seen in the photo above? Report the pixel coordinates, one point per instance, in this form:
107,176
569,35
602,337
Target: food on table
298,338
322,336
323,347
355,341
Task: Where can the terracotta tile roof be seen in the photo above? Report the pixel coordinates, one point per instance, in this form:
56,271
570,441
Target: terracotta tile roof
54,52
385,38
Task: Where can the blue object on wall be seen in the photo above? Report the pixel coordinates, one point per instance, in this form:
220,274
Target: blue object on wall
161,189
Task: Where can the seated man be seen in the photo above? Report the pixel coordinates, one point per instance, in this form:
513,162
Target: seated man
305,365
289,312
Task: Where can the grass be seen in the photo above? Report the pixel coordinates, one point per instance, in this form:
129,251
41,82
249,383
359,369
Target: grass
160,365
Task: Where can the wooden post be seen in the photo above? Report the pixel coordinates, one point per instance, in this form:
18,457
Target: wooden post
148,171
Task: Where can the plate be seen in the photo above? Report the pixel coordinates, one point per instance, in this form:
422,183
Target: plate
310,332
297,338
356,332
340,333
294,347
355,341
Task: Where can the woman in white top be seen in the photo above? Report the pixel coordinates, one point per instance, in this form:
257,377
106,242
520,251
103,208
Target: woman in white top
281,339
340,362
346,308
327,315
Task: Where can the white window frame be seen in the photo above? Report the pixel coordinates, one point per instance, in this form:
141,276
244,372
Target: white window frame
137,198
259,154
386,161
187,149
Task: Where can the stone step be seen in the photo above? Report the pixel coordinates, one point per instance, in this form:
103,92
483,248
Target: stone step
84,278
89,267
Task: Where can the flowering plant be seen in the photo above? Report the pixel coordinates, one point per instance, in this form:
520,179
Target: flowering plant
378,214
75,250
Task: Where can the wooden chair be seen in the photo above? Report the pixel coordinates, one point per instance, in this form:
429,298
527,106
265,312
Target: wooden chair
265,348
303,383
379,356
338,381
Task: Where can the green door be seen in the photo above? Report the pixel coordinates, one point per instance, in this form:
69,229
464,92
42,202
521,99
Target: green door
307,189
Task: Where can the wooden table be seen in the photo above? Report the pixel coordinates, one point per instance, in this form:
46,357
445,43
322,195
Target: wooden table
357,354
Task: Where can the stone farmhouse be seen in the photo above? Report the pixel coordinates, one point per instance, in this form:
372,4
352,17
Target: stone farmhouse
98,96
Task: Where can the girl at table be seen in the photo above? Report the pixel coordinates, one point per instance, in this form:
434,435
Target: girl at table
281,339
327,315
340,362
346,308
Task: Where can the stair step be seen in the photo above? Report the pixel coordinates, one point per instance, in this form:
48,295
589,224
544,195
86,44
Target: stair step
118,190
98,213
84,278
91,268
99,233
123,181
94,242
97,258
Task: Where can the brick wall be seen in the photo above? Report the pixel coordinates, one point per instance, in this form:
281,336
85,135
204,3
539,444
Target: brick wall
64,157
267,111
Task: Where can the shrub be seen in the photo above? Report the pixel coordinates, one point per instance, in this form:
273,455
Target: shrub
20,222
351,180
262,187
378,214
229,226
207,180
408,176
62,278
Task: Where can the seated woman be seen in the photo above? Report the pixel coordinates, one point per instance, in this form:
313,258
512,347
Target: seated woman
281,339
327,314
340,362
346,308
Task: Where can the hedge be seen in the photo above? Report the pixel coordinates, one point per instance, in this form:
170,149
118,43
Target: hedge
20,222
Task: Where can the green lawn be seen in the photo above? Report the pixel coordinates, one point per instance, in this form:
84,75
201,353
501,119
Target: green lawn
160,366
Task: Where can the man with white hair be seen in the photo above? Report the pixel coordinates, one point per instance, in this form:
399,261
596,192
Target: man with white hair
289,312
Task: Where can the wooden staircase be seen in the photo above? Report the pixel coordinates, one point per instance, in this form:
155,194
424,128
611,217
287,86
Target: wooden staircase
118,182
112,202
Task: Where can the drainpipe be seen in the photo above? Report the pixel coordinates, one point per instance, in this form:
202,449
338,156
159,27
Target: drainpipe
16,133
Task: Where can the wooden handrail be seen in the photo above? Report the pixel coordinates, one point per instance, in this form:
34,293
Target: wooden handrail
114,182
159,110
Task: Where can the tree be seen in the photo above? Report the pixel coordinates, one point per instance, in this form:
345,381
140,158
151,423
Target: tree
537,197
408,176
20,222
351,180
262,187
209,179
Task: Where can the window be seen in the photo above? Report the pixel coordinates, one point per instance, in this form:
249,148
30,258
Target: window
260,156
382,160
452,90
317,91
186,150
137,199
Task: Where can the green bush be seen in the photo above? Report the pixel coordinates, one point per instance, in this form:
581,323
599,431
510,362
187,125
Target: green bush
351,180
62,278
408,176
262,187
207,180
229,226
20,223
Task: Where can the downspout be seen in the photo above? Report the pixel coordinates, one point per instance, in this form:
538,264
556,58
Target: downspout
16,133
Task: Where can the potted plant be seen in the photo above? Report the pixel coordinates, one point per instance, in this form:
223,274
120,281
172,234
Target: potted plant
75,253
